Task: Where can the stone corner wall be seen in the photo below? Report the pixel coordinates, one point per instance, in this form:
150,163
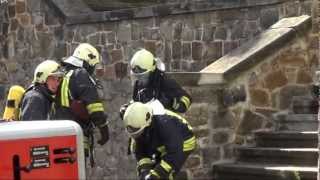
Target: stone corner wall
271,85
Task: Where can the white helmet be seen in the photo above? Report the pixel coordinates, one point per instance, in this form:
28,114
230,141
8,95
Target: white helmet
45,69
137,117
84,53
142,65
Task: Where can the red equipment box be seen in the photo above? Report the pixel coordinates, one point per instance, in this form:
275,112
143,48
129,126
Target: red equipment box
41,150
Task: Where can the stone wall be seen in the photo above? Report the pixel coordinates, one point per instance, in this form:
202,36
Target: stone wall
271,86
185,42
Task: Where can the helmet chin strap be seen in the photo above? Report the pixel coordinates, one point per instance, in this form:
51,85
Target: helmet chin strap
90,69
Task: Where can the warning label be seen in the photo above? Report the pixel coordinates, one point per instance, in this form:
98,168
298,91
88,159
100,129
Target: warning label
40,157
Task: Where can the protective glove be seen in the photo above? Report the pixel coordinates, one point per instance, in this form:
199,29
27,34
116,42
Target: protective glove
150,177
104,134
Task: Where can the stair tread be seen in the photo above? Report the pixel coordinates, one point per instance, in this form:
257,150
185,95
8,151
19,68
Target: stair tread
301,118
266,167
288,134
279,149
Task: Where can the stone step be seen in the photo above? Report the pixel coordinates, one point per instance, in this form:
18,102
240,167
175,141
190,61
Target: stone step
298,122
287,139
293,156
248,171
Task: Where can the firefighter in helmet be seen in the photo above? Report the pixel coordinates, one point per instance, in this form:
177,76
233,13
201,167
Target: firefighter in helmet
37,101
78,97
150,82
163,141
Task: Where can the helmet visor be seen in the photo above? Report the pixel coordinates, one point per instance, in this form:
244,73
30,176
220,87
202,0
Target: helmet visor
142,79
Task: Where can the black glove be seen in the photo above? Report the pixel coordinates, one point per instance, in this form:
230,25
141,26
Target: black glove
104,134
123,109
149,177
143,173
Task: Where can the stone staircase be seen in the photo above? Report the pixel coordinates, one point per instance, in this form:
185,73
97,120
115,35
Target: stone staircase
290,153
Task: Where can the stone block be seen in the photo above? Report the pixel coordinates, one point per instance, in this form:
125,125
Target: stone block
150,46
116,55
60,50
68,34
275,79
201,133
167,52
12,11
187,34
4,28
237,30
3,94
229,46
228,151
20,7
50,18
293,59
198,115
111,37
220,33
304,77
94,39
230,15
34,5
197,49
14,24
268,113
208,32
192,162
175,65
177,31
166,30
4,77
210,154
176,50
121,70
209,94
202,173
250,122
12,67
186,50
198,34
220,137
259,97
24,19
124,32
109,72
135,31
292,9
213,51
43,47
268,17
223,120
253,14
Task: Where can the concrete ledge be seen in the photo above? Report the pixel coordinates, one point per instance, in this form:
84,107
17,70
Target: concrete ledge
255,50
164,10
197,78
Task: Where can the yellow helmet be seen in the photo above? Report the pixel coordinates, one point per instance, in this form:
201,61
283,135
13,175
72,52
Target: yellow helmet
142,61
45,69
84,53
137,117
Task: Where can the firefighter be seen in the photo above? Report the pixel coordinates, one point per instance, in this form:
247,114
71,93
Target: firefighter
38,99
78,97
151,82
163,141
